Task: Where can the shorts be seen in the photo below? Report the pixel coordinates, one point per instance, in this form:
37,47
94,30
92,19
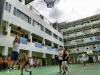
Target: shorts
26,66
60,62
64,63
84,59
14,55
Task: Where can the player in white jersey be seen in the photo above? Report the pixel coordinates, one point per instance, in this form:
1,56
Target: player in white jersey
15,51
60,58
99,58
84,57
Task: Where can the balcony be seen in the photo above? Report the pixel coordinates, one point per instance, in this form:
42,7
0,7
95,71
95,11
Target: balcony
23,40
70,28
95,22
87,32
56,50
77,27
39,45
49,48
79,34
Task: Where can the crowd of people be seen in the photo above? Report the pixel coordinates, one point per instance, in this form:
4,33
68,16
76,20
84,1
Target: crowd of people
5,62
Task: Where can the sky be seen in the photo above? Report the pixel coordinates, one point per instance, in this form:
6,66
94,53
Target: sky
67,10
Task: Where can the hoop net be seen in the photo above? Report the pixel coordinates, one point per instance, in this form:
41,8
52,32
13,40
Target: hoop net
89,52
50,3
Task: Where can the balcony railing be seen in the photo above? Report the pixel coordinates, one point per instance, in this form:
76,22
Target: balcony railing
56,50
39,45
38,14
23,40
49,48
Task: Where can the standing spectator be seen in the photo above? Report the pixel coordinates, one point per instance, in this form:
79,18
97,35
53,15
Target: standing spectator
8,60
1,64
31,62
99,58
4,64
56,60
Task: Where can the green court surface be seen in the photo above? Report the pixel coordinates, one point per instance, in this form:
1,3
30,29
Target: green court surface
74,69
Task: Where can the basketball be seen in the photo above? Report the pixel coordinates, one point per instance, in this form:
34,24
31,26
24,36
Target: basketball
19,27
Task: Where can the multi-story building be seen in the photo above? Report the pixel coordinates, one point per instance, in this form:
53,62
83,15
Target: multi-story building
82,35
39,38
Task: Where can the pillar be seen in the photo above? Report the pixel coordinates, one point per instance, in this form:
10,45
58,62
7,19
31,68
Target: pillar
29,53
52,44
53,57
44,59
5,51
43,41
8,29
30,37
58,47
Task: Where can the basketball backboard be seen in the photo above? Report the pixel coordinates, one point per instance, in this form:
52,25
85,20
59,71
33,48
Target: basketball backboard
28,1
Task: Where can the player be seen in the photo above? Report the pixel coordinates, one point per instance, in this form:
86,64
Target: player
60,58
15,51
25,64
65,61
84,57
99,58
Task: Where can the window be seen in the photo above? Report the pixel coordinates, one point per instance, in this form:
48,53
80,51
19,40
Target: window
21,15
60,39
8,7
55,36
48,32
29,20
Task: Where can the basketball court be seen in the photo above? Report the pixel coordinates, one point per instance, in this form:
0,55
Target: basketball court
74,69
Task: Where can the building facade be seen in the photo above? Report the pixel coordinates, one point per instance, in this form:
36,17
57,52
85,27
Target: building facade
81,36
38,38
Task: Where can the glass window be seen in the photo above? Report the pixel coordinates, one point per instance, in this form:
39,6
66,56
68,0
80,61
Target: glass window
8,7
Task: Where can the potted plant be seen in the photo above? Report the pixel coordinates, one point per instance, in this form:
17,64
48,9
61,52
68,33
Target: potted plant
4,32
28,40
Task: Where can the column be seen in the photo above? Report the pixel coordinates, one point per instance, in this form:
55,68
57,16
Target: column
53,57
52,44
29,53
58,47
5,51
43,41
44,59
8,29
30,37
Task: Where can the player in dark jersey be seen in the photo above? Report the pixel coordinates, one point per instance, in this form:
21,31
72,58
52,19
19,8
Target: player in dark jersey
25,64
65,61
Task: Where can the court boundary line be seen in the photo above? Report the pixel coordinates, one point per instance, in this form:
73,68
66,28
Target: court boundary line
80,71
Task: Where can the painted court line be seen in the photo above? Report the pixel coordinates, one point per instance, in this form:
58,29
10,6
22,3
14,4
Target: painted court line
80,71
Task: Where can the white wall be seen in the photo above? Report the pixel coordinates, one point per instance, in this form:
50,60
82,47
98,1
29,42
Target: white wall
9,17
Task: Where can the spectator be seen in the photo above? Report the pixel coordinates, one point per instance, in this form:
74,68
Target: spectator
4,64
1,64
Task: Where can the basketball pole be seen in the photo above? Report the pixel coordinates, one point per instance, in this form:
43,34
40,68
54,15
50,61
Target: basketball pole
2,4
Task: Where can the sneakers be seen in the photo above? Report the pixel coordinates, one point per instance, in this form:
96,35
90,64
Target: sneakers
60,71
66,72
11,70
30,72
63,72
8,71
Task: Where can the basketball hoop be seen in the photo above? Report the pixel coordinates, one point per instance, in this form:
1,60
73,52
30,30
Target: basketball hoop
89,52
50,3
